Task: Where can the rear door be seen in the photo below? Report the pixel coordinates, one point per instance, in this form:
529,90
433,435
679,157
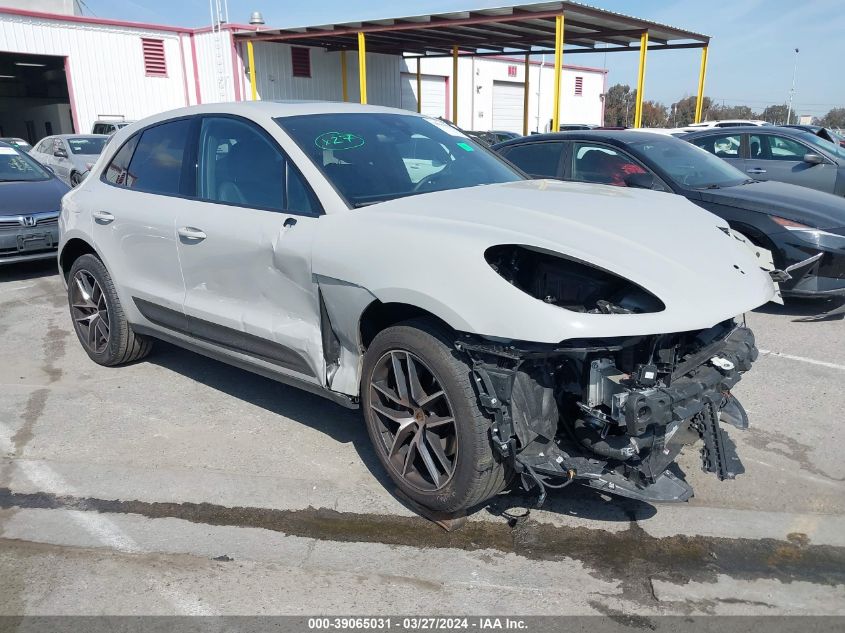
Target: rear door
539,160
726,146
245,250
776,157
134,210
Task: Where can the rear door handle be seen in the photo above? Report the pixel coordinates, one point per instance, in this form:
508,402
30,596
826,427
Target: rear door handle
289,223
191,234
104,217
756,170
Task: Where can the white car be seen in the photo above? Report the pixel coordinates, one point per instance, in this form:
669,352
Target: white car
486,324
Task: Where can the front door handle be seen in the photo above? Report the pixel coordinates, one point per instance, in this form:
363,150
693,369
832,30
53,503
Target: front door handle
103,217
191,234
289,223
756,170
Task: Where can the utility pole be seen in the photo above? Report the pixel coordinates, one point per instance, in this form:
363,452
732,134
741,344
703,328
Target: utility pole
792,90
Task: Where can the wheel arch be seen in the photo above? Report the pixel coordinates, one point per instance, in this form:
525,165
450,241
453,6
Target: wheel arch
72,250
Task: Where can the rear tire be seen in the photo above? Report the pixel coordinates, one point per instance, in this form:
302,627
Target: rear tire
98,318
452,466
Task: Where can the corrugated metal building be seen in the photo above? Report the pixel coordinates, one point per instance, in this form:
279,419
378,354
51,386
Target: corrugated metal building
61,73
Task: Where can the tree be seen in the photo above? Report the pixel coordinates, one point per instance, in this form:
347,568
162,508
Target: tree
835,118
776,114
619,106
684,111
720,113
655,114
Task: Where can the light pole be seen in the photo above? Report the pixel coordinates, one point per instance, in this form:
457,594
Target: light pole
792,90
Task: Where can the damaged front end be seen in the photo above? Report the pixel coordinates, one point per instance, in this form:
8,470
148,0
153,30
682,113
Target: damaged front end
610,413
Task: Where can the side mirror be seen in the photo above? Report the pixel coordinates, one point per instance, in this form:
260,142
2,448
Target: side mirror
640,181
60,153
50,169
813,159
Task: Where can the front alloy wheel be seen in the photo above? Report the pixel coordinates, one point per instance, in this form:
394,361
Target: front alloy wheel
421,407
415,420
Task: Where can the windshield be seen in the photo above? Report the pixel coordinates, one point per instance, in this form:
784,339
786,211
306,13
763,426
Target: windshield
688,165
831,148
16,166
89,145
371,157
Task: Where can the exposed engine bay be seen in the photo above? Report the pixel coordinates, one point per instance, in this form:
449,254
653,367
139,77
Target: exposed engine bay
614,413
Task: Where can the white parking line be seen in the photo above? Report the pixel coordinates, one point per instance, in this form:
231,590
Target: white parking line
103,529
802,359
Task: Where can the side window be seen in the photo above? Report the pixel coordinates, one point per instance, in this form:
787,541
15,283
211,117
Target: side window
117,173
239,165
156,166
602,164
44,146
536,159
721,145
783,148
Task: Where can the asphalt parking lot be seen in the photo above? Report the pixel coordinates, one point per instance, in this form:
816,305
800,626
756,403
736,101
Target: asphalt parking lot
180,485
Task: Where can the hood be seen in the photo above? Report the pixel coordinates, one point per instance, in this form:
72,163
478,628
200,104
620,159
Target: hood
428,250
38,196
808,206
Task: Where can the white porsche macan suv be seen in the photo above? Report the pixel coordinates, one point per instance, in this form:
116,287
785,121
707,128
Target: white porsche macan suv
489,326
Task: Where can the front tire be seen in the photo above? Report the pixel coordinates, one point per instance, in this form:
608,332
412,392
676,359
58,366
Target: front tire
98,318
423,418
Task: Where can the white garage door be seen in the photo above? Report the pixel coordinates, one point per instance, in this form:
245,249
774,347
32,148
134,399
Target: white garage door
507,106
433,94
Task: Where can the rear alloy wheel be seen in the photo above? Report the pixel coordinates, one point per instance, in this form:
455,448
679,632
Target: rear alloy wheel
98,318
423,418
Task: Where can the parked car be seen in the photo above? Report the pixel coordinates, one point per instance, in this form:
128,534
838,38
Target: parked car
725,123
491,137
822,132
16,142
109,126
776,153
795,223
487,324
29,207
70,156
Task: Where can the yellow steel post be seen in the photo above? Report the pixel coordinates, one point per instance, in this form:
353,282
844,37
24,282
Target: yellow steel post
419,87
455,85
343,82
525,96
638,106
699,101
251,59
362,66
558,70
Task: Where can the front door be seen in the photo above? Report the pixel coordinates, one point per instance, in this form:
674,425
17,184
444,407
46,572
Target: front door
775,157
245,250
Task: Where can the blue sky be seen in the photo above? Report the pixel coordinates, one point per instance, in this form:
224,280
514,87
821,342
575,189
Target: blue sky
751,55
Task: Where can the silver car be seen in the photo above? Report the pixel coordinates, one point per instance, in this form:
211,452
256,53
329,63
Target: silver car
486,324
70,156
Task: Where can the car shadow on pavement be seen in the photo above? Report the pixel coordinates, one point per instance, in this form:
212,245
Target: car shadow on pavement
804,308
342,425
28,270
347,426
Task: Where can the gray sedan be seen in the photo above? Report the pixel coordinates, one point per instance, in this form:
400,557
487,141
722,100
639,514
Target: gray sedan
70,156
776,153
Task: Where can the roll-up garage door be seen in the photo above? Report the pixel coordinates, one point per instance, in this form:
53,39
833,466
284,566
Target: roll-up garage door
507,106
433,94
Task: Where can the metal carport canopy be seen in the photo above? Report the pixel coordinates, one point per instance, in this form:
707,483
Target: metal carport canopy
549,27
